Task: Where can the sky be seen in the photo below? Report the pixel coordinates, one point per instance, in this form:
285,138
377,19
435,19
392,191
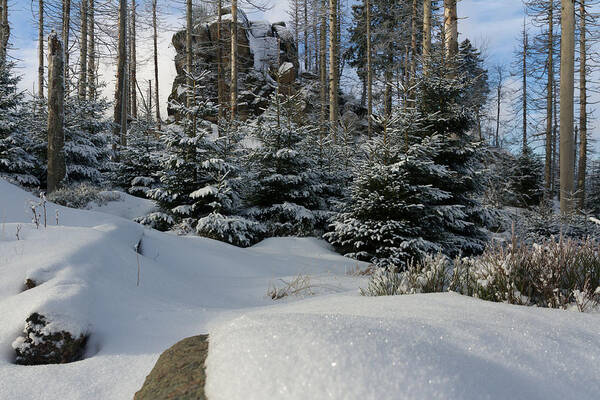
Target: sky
494,25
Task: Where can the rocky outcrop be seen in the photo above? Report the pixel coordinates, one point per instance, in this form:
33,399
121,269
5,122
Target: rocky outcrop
258,60
179,372
41,345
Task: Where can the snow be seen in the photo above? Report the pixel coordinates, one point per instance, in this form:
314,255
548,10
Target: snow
328,342
438,346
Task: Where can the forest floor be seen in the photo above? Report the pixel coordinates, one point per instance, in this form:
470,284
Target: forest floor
320,340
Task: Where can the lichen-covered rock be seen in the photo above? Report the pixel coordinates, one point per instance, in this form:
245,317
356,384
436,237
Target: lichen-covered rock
262,49
179,372
40,345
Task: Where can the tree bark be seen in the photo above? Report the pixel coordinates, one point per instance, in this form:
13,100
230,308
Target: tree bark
549,99
426,35
66,30
83,48
56,135
4,29
234,68
220,81
323,66
451,30
369,70
133,45
413,44
120,111
333,69
188,48
41,49
567,85
92,50
524,100
306,46
582,167
155,46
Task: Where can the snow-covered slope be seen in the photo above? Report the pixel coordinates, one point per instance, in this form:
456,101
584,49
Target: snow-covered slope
437,346
339,345
86,270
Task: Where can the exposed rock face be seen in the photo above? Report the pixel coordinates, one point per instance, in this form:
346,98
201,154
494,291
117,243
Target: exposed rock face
258,59
179,372
40,345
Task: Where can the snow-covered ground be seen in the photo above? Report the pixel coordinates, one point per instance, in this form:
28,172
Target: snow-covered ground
335,344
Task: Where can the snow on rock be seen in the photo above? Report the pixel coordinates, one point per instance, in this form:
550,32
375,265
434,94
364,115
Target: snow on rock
440,346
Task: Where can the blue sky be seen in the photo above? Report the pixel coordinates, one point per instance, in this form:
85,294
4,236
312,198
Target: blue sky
492,24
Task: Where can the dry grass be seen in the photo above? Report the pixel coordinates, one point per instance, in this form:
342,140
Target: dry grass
299,286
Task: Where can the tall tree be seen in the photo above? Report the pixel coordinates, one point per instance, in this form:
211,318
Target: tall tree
188,48
426,35
369,70
4,28
220,81
83,49
155,54
333,67
567,87
92,85
581,174
450,30
66,31
323,65
120,110
234,55
56,134
133,65
41,48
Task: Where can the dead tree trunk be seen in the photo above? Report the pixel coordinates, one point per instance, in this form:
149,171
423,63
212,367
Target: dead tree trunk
83,48
220,81
66,30
133,67
323,66
120,111
426,35
188,48
333,68
234,67
155,45
413,44
524,78
92,50
369,70
567,87
41,49
582,107
549,100
56,135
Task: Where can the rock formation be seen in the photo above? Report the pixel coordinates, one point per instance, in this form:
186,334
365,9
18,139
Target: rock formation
259,61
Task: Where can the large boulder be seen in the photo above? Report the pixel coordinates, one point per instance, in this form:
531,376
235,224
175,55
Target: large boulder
262,49
179,372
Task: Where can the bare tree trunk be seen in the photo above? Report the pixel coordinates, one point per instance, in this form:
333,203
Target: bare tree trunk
92,50
333,68
56,135
41,49
133,44
426,35
369,70
220,82
314,3
323,66
306,47
188,47
83,48
567,87
120,111
234,67
413,44
549,99
451,30
525,48
66,29
582,106
155,45
4,29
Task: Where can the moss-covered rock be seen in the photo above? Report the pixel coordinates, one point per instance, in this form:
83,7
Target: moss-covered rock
179,372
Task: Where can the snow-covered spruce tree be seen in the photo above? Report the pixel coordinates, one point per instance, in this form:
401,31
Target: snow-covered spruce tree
527,180
287,190
17,160
418,192
593,192
139,162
